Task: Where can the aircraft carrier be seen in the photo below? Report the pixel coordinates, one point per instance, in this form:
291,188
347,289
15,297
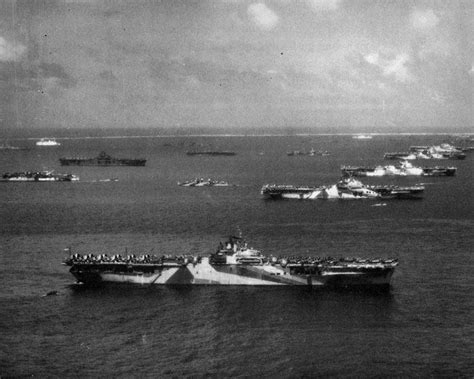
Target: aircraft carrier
233,263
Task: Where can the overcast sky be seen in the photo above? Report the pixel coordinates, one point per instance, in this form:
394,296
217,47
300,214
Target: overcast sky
230,63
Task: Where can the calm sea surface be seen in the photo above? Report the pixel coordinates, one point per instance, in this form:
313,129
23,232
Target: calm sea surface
424,327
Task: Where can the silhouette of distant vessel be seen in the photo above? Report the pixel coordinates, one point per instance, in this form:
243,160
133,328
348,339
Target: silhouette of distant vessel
37,176
204,183
210,152
311,153
362,136
103,159
47,142
6,146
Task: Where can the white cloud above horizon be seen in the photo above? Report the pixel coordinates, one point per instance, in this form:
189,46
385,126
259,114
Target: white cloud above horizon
262,16
424,20
394,67
10,52
324,5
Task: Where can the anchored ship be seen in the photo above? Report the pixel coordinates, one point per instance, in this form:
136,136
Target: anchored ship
200,182
348,188
210,152
311,153
403,169
6,146
362,136
428,153
47,142
37,176
103,159
233,263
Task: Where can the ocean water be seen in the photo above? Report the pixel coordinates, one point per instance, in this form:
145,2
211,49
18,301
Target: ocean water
422,328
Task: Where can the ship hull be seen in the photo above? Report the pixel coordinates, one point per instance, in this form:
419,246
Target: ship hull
428,171
204,273
342,192
95,162
39,178
213,153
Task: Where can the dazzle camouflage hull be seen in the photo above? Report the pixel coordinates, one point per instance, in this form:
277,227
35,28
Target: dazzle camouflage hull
346,189
233,274
232,264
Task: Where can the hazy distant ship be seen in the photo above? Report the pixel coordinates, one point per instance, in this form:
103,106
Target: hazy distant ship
310,153
210,152
6,146
362,136
234,263
47,142
103,159
37,176
443,151
200,182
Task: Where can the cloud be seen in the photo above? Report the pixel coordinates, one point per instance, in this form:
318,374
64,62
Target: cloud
423,20
324,5
10,52
372,58
395,67
262,16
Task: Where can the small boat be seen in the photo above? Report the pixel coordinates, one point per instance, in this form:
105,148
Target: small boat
47,142
203,183
399,156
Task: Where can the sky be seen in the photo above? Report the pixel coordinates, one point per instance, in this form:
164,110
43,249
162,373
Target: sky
373,65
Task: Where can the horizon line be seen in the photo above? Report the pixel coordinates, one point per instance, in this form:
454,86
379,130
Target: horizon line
254,135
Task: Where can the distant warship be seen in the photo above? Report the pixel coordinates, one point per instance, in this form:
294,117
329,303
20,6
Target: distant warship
348,188
37,176
405,168
47,142
210,152
103,159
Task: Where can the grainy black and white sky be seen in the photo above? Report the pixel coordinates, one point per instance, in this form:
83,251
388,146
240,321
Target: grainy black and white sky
238,64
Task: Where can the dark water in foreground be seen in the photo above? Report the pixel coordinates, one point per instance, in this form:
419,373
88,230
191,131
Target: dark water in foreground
423,327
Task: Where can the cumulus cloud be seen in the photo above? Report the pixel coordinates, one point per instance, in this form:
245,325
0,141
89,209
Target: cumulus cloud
262,16
324,5
372,58
395,67
423,20
10,52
